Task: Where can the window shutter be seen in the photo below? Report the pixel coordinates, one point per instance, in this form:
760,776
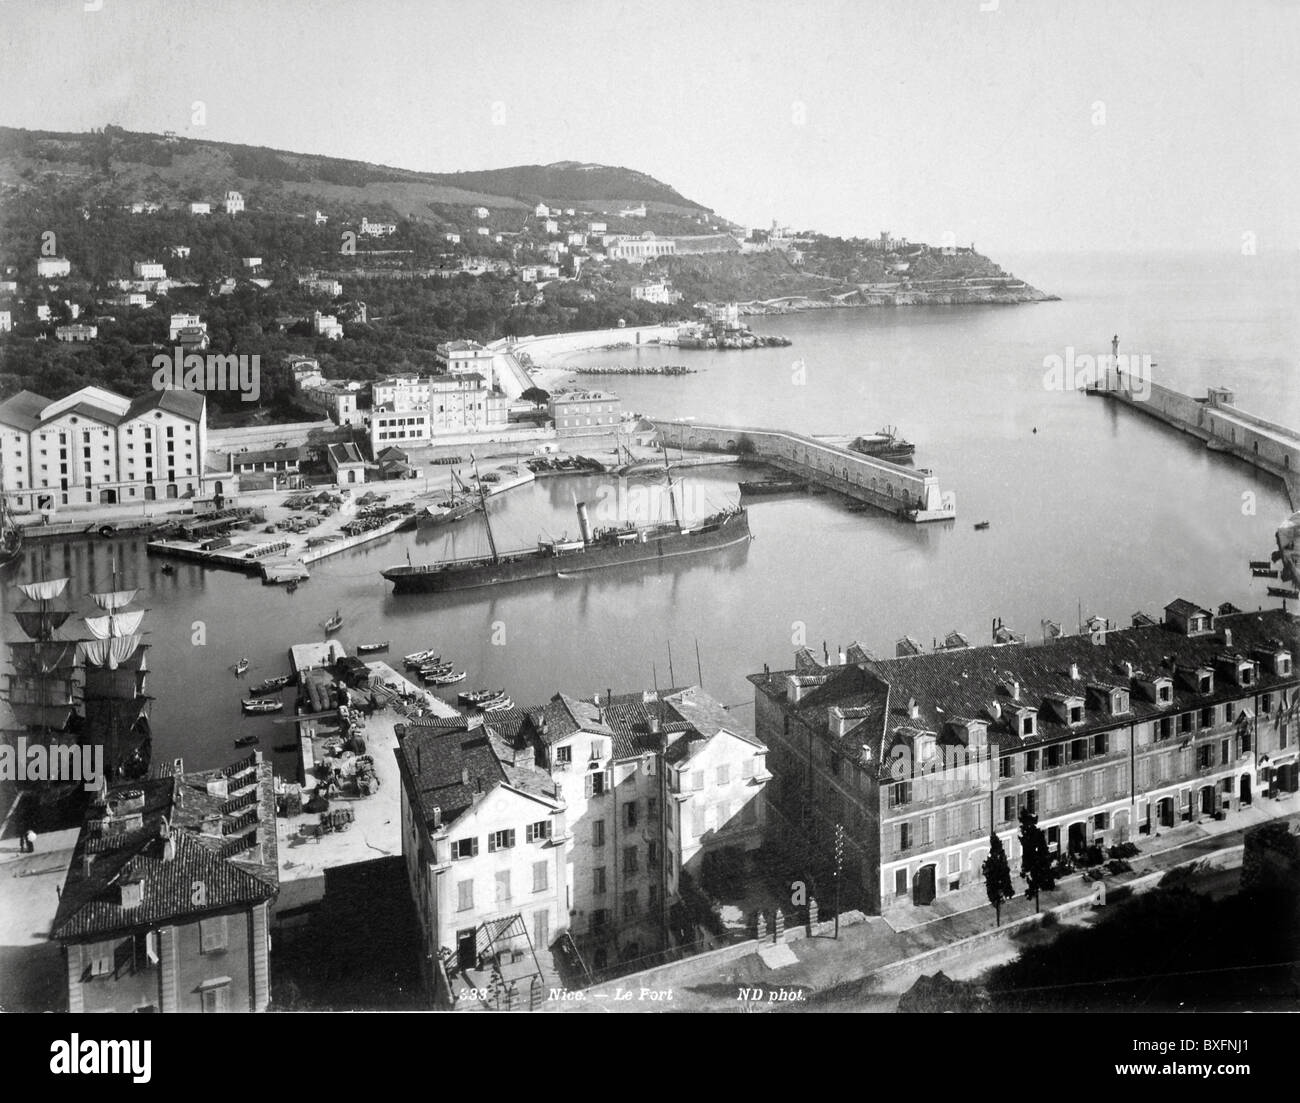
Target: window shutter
609,780
586,786
473,846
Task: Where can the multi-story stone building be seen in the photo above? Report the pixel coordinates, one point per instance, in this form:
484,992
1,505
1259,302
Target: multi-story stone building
1107,737
166,904
97,447
577,412
414,409
483,837
621,793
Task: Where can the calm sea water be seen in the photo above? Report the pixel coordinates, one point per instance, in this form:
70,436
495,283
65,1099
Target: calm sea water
1100,510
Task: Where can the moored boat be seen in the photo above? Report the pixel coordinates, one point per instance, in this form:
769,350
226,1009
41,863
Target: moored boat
271,685
498,706
365,648
885,444
478,696
246,740
419,658
448,679
595,550
253,707
1282,591
773,486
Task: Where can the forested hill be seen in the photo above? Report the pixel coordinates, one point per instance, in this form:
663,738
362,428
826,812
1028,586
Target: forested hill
168,168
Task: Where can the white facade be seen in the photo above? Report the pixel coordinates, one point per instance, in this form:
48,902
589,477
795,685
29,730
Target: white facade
416,409
6,321
181,251
480,212
327,326
95,447
179,322
200,208
234,202
148,270
331,288
52,267
76,333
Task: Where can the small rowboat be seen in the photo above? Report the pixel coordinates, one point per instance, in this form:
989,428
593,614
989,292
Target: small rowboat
498,706
448,679
364,647
1282,591
1263,572
432,670
168,568
420,658
241,668
246,740
980,525
479,696
253,707
271,685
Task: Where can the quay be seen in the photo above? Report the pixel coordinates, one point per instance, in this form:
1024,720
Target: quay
911,494
1215,420
307,851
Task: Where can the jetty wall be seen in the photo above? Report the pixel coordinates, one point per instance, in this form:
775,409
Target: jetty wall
1216,420
906,491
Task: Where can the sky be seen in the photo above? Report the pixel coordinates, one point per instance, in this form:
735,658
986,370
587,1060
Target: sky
1019,125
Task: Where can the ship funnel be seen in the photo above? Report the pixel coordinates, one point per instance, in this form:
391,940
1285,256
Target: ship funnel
584,523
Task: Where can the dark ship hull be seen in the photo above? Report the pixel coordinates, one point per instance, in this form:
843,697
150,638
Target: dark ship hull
651,545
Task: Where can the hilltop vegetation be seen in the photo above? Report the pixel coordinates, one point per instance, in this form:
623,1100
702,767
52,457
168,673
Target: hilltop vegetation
467,257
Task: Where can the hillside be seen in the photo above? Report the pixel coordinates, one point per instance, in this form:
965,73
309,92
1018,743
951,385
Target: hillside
164,168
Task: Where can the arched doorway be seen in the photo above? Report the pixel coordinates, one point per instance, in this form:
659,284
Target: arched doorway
172,490
923,885
108,497
1078,837
1165,812
217,488
150,493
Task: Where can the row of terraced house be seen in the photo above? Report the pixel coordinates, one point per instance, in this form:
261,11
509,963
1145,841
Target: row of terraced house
1107,738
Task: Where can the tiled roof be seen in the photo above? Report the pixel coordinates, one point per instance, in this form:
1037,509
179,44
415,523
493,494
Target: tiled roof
345,453
184,835
23,410
450,770
1183,607
947,685
183,403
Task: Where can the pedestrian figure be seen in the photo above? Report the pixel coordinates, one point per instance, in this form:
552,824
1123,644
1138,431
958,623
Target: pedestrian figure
31,841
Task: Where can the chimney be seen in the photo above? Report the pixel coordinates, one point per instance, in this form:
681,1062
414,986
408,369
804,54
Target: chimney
844,659
1074,672
436,813
912,711
1128,668
1227,637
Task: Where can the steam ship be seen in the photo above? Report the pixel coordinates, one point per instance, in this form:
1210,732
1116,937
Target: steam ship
596,549
886,444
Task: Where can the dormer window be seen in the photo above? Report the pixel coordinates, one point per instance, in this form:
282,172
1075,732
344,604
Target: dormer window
1282,662
1164,693
1205,683
1028,722
1076,714
1118,701
1245,674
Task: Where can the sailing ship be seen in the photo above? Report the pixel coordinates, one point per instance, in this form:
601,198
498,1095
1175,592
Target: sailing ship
11,536
886,444
596,549
82,687
452,508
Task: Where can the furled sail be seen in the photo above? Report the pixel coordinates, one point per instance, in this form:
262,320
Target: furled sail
108,652
115,624
112,600
44,591
42,657
41,624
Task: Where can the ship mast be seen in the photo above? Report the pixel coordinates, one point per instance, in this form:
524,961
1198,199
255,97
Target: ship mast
668,475
482,503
